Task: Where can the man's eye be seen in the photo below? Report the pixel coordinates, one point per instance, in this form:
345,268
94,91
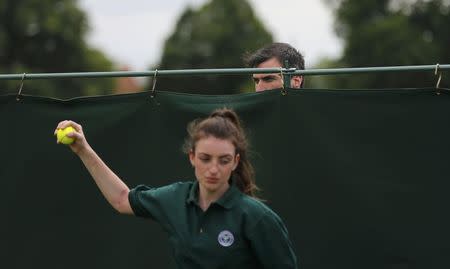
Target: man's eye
269,79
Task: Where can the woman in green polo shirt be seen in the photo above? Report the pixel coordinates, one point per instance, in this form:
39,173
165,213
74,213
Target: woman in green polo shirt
213,222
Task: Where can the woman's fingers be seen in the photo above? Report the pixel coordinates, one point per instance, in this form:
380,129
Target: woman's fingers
75,135
76,126
66,123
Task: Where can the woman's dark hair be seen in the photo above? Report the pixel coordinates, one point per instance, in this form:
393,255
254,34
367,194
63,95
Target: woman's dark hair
224,123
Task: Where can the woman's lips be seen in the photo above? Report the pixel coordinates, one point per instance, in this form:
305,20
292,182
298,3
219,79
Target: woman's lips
212,179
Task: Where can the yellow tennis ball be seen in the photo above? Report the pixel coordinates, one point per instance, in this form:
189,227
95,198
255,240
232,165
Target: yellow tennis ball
61,135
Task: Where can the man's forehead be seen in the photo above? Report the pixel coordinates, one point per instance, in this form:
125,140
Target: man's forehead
266,75
270,63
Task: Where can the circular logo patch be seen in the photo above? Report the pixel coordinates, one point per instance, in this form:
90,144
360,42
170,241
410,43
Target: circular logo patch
225,238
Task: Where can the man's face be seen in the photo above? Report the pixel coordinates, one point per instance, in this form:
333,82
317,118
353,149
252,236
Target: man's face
272,81
268,81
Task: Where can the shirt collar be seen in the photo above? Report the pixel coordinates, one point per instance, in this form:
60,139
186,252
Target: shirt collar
228,199
193,194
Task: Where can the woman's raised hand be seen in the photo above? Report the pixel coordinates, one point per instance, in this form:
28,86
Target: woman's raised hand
79,144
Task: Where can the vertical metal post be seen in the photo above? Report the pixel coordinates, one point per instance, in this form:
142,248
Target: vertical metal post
286,76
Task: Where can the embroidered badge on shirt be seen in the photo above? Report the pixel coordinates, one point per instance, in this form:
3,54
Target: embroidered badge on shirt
225,238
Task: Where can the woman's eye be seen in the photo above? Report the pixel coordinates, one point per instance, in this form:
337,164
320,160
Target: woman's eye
224,162
205,160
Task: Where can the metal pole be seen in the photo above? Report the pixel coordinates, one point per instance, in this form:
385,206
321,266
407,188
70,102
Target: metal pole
227,71
358,70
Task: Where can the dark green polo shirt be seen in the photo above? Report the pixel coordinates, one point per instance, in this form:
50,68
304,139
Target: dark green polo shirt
236,231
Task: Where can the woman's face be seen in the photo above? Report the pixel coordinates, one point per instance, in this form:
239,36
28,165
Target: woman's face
214,159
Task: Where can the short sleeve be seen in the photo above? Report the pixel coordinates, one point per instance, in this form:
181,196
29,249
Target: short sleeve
270,242
137,197
153,203
160,204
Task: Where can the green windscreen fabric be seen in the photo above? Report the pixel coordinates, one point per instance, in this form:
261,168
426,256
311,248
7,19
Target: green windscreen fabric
361,178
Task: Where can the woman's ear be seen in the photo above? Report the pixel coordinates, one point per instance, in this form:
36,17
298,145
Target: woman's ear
192,157
237,158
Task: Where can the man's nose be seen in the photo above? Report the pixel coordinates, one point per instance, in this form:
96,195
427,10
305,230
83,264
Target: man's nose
259,86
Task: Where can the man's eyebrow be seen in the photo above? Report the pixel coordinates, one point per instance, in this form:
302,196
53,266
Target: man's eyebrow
270,76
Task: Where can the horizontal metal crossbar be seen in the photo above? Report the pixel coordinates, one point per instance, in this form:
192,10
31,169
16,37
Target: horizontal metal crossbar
228,71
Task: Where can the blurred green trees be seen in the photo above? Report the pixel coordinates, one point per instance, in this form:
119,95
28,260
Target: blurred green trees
390,33
215,36
48,36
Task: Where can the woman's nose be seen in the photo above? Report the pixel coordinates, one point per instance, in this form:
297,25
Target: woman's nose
213,169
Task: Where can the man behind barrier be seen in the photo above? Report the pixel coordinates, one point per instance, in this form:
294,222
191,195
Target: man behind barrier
275,55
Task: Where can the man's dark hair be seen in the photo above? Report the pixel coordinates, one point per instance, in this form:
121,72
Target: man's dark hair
281,51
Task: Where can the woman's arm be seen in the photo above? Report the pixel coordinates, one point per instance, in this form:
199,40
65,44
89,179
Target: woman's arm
111,186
